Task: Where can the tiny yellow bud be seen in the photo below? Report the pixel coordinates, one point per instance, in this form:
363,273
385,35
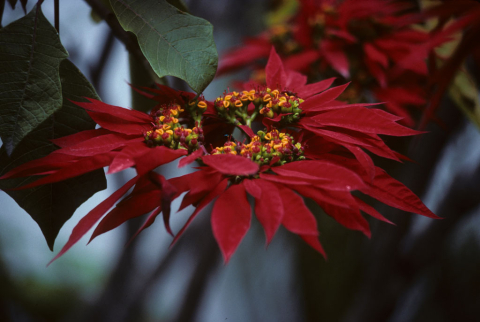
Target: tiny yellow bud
162,118
202,104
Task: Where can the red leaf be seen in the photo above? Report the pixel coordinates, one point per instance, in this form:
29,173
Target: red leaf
74,169
119,112
220,188
268,205
201,183
363,120
313,241
315,88
94,146
93,216
35,167
252,50
393,193
335,135
125,158
366,208
288,180
133,206
182,183
349,218
190,158
324,97
148,222
375,55
231,216
231,164
79,137
332,176
333,105
248,131
119,125
297,217
155,158
321,196
364,160
336,57
300,61
274,72
168,194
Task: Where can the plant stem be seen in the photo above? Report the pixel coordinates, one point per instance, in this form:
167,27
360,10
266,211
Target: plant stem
57,15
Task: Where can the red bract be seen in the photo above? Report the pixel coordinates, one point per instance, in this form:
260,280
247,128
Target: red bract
371,43
278,195
119,144
467,13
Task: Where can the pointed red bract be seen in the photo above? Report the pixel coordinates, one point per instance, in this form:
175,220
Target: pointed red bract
73,169
274,72
231,164
87,222
268,205
93,146
119,112
219,189
190,158
156,157
315,88
133,206
297,217
324,97
231,218
362,120
148,222
393,193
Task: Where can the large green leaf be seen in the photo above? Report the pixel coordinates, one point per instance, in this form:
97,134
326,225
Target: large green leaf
53,204
30,90
174,42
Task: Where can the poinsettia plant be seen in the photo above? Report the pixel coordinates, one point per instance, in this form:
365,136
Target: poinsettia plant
311,145
279,139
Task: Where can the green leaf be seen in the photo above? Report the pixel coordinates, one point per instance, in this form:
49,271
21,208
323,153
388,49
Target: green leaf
465,95
53,204
174,42
30,55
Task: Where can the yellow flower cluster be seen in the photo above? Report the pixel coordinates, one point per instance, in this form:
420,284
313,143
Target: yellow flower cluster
168,131
264,147
267,102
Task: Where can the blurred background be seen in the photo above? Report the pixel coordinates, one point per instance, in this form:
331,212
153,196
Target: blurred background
419,270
